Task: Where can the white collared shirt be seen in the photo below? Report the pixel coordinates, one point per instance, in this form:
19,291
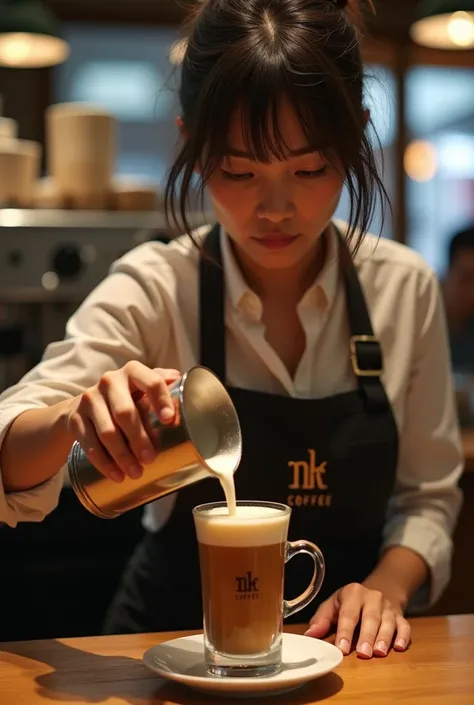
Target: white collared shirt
147,310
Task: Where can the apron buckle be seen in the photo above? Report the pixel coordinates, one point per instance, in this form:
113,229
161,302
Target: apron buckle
366,356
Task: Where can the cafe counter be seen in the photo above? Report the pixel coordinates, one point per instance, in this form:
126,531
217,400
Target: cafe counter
438,669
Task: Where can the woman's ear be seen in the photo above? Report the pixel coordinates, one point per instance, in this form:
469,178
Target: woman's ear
180,124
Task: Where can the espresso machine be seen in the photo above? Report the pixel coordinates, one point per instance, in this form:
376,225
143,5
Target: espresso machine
50,260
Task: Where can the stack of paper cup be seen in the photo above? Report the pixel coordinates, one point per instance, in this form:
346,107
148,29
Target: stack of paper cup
8,129
131,193
81,150
20,162
46,194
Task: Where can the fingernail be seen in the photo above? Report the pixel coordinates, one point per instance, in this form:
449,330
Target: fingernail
134,471
312,630
147,457
344,646
381,647
166,414
117,476
401,644
365,649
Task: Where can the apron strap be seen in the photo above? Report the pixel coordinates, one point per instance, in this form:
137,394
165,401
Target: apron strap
365,350
212,305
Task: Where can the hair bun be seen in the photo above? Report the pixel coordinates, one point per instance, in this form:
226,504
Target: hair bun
355,10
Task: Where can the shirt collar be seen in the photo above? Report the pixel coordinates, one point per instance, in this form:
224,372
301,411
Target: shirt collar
321,294
236,286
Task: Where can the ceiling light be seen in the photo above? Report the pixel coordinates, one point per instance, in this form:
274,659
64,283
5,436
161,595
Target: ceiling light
29,35
445,24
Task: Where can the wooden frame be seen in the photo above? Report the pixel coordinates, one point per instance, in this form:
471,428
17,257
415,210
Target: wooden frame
401,57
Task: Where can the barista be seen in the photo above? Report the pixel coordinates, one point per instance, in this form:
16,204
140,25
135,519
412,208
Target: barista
332,344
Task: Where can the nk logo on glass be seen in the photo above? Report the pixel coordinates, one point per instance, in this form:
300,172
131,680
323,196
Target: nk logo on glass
247,587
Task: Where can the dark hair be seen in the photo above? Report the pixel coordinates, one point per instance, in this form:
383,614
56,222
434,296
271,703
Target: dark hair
462,241
249,54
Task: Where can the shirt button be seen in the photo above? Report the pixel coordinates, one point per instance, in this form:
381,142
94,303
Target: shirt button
253,307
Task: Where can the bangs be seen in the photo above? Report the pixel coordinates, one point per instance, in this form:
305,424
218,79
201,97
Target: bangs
254,99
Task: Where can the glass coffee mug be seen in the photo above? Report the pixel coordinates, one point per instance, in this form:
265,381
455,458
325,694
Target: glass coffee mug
243,561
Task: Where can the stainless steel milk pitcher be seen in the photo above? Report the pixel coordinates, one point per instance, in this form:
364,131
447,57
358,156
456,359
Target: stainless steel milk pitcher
203,440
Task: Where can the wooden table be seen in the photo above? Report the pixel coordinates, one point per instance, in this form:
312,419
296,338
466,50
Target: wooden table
437,670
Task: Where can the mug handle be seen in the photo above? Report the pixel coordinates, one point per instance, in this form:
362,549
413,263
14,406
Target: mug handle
295,548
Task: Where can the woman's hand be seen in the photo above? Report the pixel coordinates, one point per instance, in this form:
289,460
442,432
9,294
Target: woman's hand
107,422
381,621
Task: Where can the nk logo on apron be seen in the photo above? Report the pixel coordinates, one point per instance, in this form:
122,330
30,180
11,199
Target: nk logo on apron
310,483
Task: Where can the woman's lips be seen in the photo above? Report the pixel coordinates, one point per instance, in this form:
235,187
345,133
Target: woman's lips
277,241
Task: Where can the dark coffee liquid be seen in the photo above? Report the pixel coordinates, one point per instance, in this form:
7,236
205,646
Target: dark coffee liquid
242,596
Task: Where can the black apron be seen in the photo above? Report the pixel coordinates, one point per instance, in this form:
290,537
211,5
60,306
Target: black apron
333,460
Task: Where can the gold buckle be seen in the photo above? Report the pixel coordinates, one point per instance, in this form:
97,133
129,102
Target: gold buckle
354,359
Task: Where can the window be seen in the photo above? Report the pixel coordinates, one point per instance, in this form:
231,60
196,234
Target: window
380,90
126,71
439,159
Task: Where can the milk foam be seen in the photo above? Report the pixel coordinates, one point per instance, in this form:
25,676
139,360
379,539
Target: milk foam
250,526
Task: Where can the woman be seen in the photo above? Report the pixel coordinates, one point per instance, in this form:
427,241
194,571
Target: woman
333,347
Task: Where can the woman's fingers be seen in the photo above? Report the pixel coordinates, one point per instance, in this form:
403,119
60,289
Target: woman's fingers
126,415
370,624
110,436
379,620
323,619
154,383
386,632
403,638
111,419
85,433
351,599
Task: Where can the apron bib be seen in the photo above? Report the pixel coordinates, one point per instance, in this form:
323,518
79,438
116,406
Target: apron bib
332,460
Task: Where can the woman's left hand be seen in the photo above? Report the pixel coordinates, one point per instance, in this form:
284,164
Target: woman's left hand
381,621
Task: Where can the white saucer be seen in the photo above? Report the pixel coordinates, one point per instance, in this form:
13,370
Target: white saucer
182,660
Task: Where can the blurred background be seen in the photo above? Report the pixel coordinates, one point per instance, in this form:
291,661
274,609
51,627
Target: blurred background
87,132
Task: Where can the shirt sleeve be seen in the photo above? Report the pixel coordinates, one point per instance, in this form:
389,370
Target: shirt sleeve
424,508
117,323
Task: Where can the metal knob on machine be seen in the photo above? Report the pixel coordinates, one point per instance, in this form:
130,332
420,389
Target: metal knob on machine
67,261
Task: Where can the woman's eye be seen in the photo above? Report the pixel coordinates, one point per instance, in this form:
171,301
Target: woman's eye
237,176
306,174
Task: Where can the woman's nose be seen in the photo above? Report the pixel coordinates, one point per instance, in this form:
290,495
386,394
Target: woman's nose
275,205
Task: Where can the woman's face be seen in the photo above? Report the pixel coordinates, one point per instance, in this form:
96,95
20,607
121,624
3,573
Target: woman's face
275,212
